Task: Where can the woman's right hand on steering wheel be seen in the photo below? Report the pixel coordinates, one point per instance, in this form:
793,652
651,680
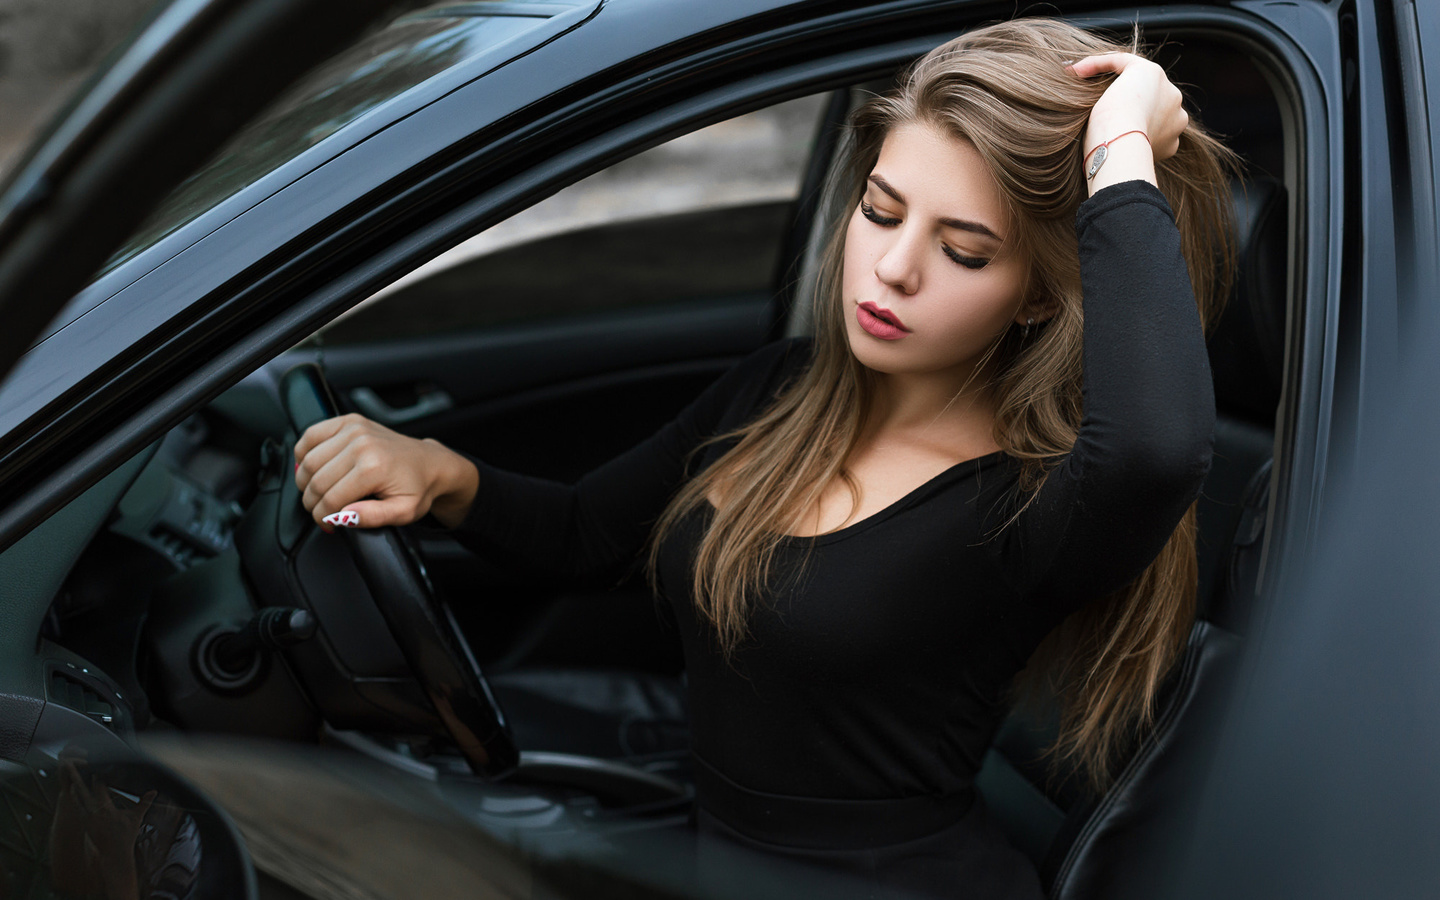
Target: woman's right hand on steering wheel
356,473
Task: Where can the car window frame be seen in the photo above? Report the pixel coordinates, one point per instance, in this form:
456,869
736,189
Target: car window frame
822,131
191,231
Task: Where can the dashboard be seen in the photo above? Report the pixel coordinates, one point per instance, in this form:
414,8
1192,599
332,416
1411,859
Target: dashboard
165,514
199,594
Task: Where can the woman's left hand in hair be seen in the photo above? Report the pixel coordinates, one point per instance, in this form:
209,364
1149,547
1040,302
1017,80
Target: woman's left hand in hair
1140,98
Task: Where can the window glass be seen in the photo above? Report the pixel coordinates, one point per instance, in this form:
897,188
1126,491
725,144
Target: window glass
702,217
409,51
47,51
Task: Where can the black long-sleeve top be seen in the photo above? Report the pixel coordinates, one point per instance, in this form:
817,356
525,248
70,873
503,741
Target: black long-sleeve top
877,664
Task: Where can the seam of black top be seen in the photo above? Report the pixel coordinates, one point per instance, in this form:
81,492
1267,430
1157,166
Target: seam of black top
1118,195
789,361
921,494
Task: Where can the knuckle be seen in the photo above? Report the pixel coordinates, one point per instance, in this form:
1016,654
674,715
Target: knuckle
369,463
327,503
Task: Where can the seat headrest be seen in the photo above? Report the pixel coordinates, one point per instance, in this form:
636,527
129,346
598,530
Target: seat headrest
1248,344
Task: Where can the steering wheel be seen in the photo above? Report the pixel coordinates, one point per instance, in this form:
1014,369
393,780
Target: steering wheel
424,628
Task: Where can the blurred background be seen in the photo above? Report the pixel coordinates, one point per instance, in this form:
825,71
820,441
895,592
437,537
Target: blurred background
47,47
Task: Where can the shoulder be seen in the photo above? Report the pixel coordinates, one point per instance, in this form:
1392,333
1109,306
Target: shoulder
750,385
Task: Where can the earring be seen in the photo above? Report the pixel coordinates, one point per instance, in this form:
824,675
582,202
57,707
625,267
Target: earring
1025,330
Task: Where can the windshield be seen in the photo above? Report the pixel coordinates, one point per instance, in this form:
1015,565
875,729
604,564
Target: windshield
386,64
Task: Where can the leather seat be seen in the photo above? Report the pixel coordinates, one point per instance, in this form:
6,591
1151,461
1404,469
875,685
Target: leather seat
1117,845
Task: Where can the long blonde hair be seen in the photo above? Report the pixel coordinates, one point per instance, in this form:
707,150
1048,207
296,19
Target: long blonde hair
1003,89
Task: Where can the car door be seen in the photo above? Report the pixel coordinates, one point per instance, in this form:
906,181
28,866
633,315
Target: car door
190,79
284,300
194,74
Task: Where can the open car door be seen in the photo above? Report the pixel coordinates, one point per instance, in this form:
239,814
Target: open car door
191,76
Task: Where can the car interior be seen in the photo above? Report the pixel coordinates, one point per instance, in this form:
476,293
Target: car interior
188,594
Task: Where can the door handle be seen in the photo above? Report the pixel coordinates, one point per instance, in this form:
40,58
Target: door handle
429,401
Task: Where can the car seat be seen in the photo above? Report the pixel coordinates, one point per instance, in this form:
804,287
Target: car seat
1119,844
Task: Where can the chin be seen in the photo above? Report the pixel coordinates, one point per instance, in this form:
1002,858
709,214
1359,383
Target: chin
885,357
863,348
876,362
906,356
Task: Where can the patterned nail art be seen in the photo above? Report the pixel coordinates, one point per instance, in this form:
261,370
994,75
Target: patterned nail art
345,518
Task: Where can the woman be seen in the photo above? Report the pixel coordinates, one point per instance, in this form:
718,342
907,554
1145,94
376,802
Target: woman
864,538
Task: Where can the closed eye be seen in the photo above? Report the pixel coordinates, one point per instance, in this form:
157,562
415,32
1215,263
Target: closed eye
869,212
969,262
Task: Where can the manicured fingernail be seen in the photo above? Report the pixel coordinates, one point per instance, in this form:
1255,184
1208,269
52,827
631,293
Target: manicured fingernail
297,468
345,518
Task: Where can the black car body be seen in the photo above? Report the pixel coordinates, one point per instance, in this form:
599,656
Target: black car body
165,368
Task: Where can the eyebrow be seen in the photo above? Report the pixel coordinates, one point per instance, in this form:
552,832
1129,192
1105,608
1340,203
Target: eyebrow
961,224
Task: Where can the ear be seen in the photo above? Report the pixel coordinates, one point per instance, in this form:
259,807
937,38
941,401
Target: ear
1036,311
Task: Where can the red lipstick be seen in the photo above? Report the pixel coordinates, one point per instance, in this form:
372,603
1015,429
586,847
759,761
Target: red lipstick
880,322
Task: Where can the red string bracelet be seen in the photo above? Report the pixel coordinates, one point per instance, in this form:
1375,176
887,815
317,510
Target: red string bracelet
1102,150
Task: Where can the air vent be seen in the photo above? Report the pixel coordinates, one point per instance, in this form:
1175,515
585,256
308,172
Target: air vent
70,690
179,550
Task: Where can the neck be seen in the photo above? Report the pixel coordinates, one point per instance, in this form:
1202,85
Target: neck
943,405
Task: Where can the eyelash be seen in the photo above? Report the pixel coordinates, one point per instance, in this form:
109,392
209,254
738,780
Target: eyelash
969,262
869,212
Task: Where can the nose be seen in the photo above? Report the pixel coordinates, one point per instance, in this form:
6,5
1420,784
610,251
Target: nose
899,265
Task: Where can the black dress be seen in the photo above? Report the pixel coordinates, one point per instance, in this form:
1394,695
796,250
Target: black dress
848,729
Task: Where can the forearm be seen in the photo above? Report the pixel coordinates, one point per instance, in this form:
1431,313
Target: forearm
1148,395
601,524
1128,156
1139,101
593,529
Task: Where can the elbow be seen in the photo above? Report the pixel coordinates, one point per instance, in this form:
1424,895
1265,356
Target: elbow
1172,446
1171,459
1183,468
1163,454
1155,434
